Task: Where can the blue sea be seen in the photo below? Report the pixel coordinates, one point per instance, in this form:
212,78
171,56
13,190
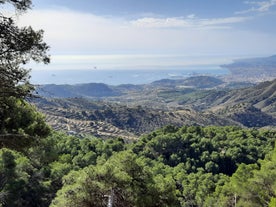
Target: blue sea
117,77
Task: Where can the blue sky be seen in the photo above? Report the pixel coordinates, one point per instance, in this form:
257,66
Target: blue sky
132,34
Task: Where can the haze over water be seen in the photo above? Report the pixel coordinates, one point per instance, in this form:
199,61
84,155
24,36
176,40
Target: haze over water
117,77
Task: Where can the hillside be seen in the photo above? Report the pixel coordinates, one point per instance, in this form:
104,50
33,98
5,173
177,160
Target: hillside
89,90
193,82
100,90
252,106
135,110
82,116
262,96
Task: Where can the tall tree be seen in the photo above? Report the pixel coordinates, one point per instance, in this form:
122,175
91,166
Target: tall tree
18,46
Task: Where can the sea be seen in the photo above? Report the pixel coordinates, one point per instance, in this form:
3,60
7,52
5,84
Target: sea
118,77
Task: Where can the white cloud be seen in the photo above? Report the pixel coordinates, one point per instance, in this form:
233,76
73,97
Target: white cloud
161,22
223,21
259,6
75,34
189,22
67,30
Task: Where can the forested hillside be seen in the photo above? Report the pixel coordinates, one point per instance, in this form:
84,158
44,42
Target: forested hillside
187,166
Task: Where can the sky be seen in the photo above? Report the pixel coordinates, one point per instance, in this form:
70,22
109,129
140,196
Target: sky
153,34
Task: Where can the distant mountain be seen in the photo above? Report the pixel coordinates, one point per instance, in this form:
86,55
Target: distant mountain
97,90
194,82
100,90
253,106
254,69
131,110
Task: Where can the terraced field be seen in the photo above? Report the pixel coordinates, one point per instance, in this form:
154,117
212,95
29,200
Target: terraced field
83,117
72,123
147,109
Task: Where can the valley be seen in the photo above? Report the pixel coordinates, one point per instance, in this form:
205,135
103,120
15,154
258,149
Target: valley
129,111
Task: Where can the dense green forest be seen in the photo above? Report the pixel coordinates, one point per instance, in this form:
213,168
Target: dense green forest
187,166
173,166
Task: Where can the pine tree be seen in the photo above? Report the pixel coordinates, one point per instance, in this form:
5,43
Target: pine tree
18,46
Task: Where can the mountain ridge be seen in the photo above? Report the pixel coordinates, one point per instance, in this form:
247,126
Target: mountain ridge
141,109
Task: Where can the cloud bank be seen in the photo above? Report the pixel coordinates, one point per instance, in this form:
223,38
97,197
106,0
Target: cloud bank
74,34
